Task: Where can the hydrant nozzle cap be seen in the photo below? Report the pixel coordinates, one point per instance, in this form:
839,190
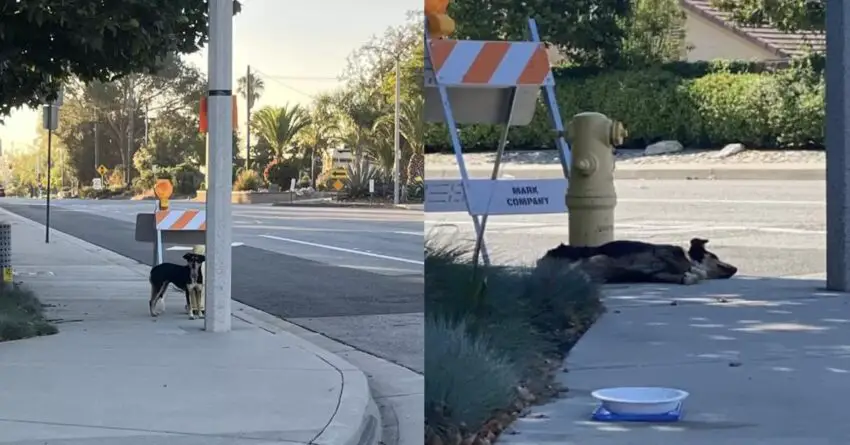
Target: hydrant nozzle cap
618,133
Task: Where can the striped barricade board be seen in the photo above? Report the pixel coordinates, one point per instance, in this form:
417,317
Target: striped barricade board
181,220
492,64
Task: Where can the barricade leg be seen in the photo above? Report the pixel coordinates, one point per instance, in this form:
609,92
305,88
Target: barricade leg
500,151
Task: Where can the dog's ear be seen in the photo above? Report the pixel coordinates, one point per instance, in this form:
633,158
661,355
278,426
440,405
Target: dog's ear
188,256
201,258
698,242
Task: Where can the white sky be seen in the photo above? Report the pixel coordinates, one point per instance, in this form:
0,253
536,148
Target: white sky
299,48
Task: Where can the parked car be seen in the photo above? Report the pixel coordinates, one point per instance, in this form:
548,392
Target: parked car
2,192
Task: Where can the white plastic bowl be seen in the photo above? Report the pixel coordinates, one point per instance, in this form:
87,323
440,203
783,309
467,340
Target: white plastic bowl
640,400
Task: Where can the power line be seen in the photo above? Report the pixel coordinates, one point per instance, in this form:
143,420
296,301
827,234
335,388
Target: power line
288,87
307,78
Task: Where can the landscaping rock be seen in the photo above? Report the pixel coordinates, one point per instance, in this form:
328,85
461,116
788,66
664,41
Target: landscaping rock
730,150
663,148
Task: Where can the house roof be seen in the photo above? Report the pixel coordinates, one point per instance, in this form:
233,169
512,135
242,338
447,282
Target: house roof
781,43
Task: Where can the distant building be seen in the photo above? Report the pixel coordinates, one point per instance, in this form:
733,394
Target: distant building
710,34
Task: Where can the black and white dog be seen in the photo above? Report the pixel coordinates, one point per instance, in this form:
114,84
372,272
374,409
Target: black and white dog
189,278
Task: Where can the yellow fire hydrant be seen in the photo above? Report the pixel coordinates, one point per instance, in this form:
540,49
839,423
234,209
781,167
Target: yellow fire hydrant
591,196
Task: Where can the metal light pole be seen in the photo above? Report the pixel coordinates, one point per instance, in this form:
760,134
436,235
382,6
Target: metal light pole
131,130
249,101
837,145
50,126
219,185
50,122
397,147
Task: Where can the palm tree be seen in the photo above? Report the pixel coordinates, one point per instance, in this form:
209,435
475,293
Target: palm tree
279,127
250,87
412,131
380,149
317,138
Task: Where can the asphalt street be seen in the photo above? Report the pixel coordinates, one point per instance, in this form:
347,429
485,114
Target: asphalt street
354,275
766,228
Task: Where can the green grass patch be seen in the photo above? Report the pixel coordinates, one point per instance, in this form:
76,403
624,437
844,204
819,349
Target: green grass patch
494,337
21,315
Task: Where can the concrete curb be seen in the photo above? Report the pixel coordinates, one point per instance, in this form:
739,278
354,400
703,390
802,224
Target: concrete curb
357,420
758,172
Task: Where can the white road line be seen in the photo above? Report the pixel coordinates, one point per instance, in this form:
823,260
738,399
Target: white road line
719,201
340,249
235,244
318,229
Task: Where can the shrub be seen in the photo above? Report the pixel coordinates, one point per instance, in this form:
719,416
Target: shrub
116,176
304,182
280,173
467,378
415,189
510,319
247,180
700,105
357,182
186,178
21,315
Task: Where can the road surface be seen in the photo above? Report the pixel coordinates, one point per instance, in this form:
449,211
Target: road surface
766,228
352,274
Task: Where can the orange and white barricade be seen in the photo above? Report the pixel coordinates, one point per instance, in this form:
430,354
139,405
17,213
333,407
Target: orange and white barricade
491,82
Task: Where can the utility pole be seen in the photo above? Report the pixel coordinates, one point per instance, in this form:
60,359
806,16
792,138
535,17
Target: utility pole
96,146
131,130
249,102
837,145
220,160
147,124
397,145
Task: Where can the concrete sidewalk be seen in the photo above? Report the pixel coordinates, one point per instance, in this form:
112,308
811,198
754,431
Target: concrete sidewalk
766,361
754,171
114,375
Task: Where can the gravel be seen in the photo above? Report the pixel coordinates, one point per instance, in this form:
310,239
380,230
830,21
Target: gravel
636,157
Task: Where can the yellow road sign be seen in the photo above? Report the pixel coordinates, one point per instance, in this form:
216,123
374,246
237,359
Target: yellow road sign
339,173
101,169
338,185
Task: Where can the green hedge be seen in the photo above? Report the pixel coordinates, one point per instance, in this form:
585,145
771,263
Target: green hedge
701,105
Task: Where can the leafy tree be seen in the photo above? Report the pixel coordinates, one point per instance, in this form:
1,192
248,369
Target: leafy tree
279,127
654,33
158,109
317,137
589,32
373,62
47,42
412,132
785,15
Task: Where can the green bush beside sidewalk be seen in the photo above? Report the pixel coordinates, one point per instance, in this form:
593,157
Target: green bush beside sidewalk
702,105
493,348
21,315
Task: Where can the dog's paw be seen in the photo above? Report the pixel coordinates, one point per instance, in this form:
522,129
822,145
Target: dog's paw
700,272
690,278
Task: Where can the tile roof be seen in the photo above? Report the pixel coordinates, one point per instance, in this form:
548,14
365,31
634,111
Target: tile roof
781,43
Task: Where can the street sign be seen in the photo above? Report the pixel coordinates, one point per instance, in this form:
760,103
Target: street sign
101,169
339,173
97,184
50,117
338,185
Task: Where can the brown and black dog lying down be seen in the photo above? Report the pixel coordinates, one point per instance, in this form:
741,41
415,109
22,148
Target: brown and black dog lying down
639,262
